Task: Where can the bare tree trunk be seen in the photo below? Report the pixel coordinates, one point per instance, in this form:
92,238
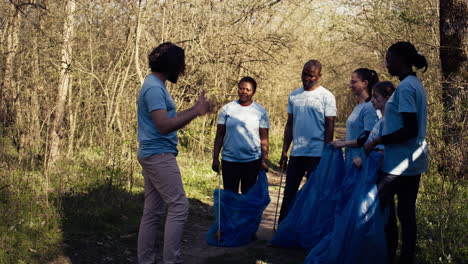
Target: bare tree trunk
56,129
8,92
38,89
453,56
139,28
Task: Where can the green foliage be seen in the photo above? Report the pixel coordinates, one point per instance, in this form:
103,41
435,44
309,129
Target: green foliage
442,214
8,152
199,180
97,183
30,229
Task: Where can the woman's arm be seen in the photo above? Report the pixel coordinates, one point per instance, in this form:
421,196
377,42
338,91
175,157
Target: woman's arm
408,131
218,143
344,143
264,147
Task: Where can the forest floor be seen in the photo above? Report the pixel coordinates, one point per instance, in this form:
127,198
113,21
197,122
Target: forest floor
92,241
91,248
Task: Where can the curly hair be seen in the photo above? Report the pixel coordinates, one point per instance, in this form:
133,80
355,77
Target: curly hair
167,57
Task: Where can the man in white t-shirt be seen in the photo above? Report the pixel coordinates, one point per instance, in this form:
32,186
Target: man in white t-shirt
310,125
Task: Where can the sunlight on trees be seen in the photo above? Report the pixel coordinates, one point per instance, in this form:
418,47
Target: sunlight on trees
70,72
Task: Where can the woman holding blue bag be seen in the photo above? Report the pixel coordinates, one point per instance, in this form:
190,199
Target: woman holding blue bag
406,152
242,133
363,118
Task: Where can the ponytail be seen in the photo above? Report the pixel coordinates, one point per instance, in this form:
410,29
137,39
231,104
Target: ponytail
410,55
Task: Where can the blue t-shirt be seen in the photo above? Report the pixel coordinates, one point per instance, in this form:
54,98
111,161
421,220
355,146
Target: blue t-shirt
363,118
376,132
409,157
154,96
242,138
309,109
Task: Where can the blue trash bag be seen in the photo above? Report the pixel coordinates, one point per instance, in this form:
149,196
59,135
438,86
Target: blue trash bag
311,214
240,214
358,234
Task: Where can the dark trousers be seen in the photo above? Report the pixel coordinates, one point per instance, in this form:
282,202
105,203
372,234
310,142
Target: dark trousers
406,189
243,173
297,167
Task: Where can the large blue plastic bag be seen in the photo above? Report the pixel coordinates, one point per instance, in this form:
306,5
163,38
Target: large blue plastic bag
311,215
240,214
358,234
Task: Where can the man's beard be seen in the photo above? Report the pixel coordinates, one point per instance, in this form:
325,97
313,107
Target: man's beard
310,85
173,77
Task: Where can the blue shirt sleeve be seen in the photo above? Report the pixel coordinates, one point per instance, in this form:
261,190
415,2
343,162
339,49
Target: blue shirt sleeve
330,105
407,99
264,121
155,99
290,107
222,116
369,116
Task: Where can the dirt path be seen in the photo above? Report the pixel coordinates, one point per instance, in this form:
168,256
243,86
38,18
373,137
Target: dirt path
87,247
197,251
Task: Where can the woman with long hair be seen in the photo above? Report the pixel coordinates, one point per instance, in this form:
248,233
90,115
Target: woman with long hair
363,118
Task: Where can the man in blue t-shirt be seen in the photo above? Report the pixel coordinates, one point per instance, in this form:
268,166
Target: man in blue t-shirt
158,123
310,125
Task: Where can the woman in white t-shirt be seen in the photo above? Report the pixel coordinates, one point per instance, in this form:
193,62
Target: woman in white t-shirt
363,118
242,133
406,151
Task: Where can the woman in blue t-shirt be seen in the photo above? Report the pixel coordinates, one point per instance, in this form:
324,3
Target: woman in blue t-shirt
359,224
363,118
381,92
405,155
242,133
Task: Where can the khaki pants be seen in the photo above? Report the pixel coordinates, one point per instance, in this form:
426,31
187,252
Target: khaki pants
163,186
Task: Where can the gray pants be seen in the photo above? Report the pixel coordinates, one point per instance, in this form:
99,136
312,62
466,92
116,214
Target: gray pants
163,186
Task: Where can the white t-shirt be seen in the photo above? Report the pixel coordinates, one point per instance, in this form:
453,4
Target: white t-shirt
409,157
309,109
242,138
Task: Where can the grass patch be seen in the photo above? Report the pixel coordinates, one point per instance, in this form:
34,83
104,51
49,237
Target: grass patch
199,180
30,229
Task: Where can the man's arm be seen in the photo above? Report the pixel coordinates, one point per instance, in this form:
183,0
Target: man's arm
329,128
166,125
287,139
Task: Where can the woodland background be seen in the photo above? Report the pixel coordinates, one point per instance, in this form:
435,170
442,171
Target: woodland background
71,70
